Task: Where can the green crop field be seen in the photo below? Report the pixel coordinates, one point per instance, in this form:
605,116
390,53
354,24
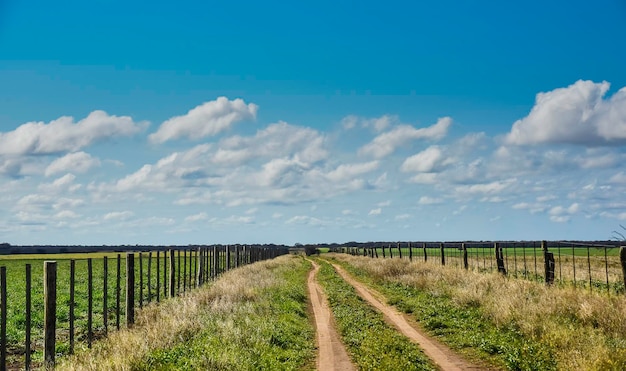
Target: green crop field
16,296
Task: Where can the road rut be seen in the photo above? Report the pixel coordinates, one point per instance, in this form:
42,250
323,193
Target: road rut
332,354
441,355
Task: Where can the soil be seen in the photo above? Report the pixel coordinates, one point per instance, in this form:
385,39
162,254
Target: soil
332,354
441,355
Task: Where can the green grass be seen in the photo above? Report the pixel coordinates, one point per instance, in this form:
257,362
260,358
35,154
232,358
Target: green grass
463,328
270,331
372,343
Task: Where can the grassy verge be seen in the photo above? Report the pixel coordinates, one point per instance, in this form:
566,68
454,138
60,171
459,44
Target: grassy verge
511,323
252,318
373,344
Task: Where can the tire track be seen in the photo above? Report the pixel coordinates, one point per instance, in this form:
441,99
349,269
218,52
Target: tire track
332,354
441,355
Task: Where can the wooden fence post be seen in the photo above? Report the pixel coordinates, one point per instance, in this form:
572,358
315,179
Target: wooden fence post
214,267
130,289
140,280
425,253
228,257
105,289
89,302
172,274
118,291
158,276
399,250
50,312
499,258
465,262
548,259
410,252
72,303
165,271
622,258
3,318
178,271
443,255
200,259
28,318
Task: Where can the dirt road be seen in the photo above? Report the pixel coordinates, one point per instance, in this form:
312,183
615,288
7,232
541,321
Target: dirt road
441,355
332,354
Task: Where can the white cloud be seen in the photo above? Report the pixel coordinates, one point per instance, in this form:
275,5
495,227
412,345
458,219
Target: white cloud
197,217
276,140
64,183
76,162
403,217
377,124
577,114
118,215
386,143
66,214
307,220
208,119
377,211
560,219
423,162
384,203
424,178
619,178
560,210
426,200
533,208
65,135
349,171
485,188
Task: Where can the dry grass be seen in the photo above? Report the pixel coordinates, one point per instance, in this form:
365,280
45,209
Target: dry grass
585,330
176,321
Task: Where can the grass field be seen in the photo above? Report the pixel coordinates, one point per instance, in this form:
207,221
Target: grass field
588,268
251,318
516,324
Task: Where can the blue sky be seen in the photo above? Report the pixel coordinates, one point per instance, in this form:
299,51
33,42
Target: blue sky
200,122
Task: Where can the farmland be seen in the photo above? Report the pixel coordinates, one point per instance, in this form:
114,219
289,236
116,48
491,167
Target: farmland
91,292
257,316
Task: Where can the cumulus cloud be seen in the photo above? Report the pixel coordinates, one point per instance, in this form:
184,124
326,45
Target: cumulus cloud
196,217
386,143
307,220
276,140
423,162
485,188
76,162
118,215
426,200
377,124
349,171
208,119
577,114
62,184
65,135
377,211
424,178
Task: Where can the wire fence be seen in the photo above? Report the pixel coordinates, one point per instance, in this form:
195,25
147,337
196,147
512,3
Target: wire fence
82,299
588,266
